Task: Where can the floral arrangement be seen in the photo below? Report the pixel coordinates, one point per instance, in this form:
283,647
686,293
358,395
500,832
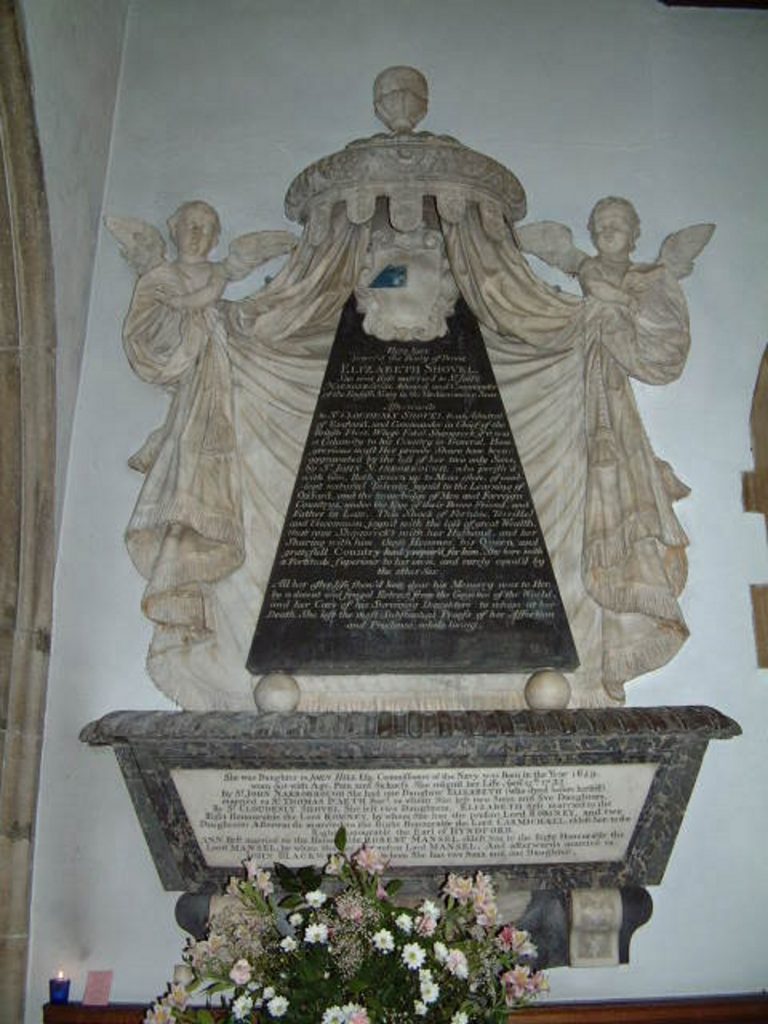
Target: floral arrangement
351,955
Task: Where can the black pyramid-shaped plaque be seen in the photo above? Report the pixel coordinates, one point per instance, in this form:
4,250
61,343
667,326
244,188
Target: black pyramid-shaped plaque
411,543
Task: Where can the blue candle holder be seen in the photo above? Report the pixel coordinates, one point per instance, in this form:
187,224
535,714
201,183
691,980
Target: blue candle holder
59,990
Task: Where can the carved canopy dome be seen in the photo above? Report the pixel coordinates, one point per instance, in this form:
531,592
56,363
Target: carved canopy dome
404,168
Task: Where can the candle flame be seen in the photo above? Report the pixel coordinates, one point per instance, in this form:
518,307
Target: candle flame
60,975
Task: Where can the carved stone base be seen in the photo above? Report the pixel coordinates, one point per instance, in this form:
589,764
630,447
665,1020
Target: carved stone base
573,812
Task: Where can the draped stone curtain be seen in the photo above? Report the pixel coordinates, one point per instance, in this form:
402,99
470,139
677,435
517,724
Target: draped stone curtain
562,364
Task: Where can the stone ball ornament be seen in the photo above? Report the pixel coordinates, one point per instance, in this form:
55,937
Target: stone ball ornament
547,690
278,692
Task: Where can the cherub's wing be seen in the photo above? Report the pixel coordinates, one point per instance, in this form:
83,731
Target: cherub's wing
249,251
679,250
551,242
141,244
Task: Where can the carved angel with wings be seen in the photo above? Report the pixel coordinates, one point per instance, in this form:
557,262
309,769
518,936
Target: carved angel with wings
188,515
614,227
195,229
633,324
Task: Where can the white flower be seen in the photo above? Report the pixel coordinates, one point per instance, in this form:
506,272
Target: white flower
404,923
354,1013
316,933
441,952
295,920
419,1008
263,884
459,1018
183,975
383,941
277,1006
241,972
288,944
413,956
160,1013
178,997
268,992
334,867
333,1015
242,1006
316,898
430,990
430,909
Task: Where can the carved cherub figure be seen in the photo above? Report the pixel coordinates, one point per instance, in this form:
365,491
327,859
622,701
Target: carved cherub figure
195,229
633,325
186,531
614,227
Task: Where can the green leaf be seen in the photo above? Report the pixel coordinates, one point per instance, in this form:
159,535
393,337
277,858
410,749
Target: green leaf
205,1017
289,902
219,986
287,878
310,878
340,840
393,887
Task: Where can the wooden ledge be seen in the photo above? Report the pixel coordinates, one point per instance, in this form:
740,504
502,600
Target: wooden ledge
741,1009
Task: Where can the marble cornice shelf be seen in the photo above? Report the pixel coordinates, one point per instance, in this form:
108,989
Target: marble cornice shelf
147,726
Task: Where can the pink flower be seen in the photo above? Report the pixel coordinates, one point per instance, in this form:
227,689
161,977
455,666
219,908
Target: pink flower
516,983
381,892
251,867
425,925
482,889
537,983
370,860
241,972
359,1016
486,912
457,964
512,939
349,908
459,889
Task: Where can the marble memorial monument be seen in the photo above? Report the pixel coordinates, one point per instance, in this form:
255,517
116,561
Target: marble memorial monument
419,473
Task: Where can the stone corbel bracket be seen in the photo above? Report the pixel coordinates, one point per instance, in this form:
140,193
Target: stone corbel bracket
755,498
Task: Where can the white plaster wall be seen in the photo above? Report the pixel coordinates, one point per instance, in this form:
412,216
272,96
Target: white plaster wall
74,48
228,102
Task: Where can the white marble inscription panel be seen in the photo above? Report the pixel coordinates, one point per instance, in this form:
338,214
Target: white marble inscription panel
417,816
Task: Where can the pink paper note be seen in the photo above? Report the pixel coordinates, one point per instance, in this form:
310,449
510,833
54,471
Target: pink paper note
97,988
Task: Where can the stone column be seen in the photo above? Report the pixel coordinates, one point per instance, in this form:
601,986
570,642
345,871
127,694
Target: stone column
27,431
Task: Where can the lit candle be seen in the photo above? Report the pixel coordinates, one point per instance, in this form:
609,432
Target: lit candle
59,988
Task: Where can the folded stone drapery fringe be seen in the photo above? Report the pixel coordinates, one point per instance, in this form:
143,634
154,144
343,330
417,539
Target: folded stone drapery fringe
624,664
608,550
174,608
647,600
209,525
